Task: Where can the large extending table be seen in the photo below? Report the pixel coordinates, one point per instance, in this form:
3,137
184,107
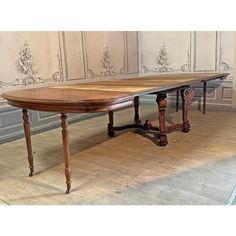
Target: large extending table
106,96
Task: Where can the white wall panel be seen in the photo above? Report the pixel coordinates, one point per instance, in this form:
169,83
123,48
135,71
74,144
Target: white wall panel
226,52
132,52
165,51
29,59
205,51
74,56
105,53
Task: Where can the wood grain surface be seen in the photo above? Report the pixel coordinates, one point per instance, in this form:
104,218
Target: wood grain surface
102,95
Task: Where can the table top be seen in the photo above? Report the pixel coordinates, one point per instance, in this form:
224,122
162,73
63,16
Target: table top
103,95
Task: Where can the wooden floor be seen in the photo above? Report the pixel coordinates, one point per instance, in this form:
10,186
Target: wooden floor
195,168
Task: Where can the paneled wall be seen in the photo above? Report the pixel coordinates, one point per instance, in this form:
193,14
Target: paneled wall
191,51
29,59
165,52
89,55
32,59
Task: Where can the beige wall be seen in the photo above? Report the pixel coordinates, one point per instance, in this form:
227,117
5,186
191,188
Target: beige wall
191,51
30,59
165,51
186,51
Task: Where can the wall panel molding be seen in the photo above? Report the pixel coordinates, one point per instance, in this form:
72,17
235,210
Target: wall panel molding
211,93
132,52
105,56
45,115
74,55
226,93
225,53
205,51
165,52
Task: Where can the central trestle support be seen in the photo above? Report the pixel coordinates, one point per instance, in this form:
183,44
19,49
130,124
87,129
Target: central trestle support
161,131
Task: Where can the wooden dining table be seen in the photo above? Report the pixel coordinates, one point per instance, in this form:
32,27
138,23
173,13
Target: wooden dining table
109,95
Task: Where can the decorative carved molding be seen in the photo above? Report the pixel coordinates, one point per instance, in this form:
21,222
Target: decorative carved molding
90,74
25,66
164,65
24,62
163,60
223,66
106,62
122,71
186,67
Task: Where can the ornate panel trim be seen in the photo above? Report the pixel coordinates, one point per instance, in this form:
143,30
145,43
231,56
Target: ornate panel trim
25,65
164,65
223,65
105,59
106,62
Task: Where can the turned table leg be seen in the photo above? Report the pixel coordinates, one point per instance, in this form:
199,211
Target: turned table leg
110,129
186,95
26,125
65,139
136,110
162,103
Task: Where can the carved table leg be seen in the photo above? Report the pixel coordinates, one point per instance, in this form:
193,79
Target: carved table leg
204,97
186,95
162,103
65,139
136,111
26,124
110,129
